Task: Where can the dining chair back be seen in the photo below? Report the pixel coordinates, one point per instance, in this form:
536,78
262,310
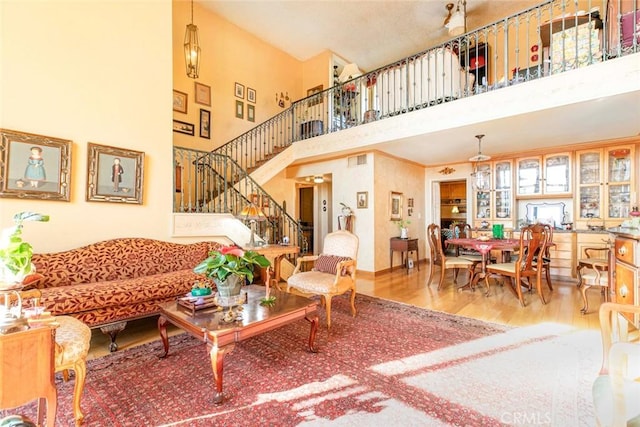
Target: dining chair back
438,257
533,242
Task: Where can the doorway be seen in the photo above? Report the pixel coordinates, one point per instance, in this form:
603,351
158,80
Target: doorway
453,202
306,214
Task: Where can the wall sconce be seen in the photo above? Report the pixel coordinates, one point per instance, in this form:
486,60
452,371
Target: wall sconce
455,209
281,101
192,49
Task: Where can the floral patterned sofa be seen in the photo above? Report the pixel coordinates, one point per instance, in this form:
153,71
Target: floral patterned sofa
107,283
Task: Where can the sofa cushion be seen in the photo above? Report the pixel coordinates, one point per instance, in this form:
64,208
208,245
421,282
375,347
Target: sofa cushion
329,263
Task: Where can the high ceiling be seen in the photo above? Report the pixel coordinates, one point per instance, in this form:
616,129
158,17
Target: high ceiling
369,33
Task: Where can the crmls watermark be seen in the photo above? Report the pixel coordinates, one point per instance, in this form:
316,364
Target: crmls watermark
526,418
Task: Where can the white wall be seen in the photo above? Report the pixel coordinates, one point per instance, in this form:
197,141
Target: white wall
91,71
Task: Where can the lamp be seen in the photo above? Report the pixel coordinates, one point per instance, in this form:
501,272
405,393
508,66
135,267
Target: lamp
482,182
457,23
281,101
252,213
318,179
455,209
350,71
192,49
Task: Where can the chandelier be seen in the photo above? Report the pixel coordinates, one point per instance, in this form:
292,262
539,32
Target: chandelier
192,49
482,176
456,22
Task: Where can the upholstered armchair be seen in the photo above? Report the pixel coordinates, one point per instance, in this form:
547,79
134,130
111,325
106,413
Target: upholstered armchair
333,272
616,391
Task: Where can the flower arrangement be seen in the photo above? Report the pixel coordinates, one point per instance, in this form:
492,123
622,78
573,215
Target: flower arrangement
15,254
231,260
402,223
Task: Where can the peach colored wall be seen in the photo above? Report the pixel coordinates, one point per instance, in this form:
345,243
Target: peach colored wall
229,55
391,174
91,72
317,71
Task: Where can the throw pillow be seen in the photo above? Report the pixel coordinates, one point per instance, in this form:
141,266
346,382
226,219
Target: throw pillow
329,263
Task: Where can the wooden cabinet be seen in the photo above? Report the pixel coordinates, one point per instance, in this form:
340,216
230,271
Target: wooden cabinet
605,184
548,175
627,269
496,204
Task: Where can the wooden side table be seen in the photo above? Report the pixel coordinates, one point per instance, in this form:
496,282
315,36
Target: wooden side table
404,246
27,366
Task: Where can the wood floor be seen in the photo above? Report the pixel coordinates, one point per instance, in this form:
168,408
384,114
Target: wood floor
501,306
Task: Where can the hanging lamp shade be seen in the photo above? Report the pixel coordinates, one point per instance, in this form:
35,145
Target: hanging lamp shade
192,49
482,176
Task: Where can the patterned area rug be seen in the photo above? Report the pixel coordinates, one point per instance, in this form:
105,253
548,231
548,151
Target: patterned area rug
391,365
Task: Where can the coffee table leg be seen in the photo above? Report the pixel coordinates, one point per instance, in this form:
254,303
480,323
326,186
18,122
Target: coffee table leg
217,360
312,333
162,328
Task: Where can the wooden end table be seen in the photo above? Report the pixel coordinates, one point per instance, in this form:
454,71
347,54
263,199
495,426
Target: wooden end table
208,326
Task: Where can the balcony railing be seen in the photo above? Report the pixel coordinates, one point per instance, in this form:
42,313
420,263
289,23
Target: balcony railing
548,39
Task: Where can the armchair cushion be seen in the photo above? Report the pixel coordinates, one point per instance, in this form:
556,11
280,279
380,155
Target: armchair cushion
329,264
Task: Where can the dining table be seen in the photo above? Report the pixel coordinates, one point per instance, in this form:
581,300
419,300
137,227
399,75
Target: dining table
484,246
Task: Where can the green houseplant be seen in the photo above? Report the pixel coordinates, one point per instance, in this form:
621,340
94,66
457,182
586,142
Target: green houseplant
15,254
402,225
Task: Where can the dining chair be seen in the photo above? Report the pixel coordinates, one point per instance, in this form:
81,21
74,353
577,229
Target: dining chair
438,257
546,258
593,271
533,241
616,390
333,272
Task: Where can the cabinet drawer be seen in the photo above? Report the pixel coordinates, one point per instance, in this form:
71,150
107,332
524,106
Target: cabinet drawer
625,250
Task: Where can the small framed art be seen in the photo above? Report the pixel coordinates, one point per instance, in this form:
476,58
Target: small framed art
34,166
251,95
317,98
183,127
395,206
239,109
205,124
114,174
239,91
203,94
180,101
363,199
251,113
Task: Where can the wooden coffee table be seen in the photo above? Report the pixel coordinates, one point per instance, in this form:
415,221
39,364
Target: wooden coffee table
207,325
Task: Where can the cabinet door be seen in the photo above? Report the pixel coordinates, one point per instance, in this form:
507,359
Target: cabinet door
590,177
557,174
529,176
619,188
503,193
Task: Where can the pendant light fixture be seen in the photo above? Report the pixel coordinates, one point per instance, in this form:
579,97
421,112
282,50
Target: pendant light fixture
192,49
482,176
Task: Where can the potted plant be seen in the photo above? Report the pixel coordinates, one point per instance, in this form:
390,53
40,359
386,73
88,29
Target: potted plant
402,225
15,254
230,268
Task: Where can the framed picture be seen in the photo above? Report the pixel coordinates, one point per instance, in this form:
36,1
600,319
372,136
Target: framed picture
114,174
265,201
239,91
255,199
180,101
314,91
251,95
363,199
395,206
34,166
203,94
205,124
239,109
183,127
251,113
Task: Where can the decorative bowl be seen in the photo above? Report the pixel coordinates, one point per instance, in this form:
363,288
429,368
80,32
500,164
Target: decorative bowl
200,292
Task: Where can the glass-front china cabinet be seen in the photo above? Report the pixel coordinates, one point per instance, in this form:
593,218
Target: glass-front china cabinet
495,204
605,184
544,175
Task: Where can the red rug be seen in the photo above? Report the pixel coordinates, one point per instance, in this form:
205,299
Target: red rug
391,365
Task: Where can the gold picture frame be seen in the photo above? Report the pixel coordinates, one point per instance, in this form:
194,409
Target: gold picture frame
114,174
395,206
180,101
203,94
34,166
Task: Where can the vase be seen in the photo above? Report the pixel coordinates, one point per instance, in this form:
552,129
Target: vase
230,291
404,233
